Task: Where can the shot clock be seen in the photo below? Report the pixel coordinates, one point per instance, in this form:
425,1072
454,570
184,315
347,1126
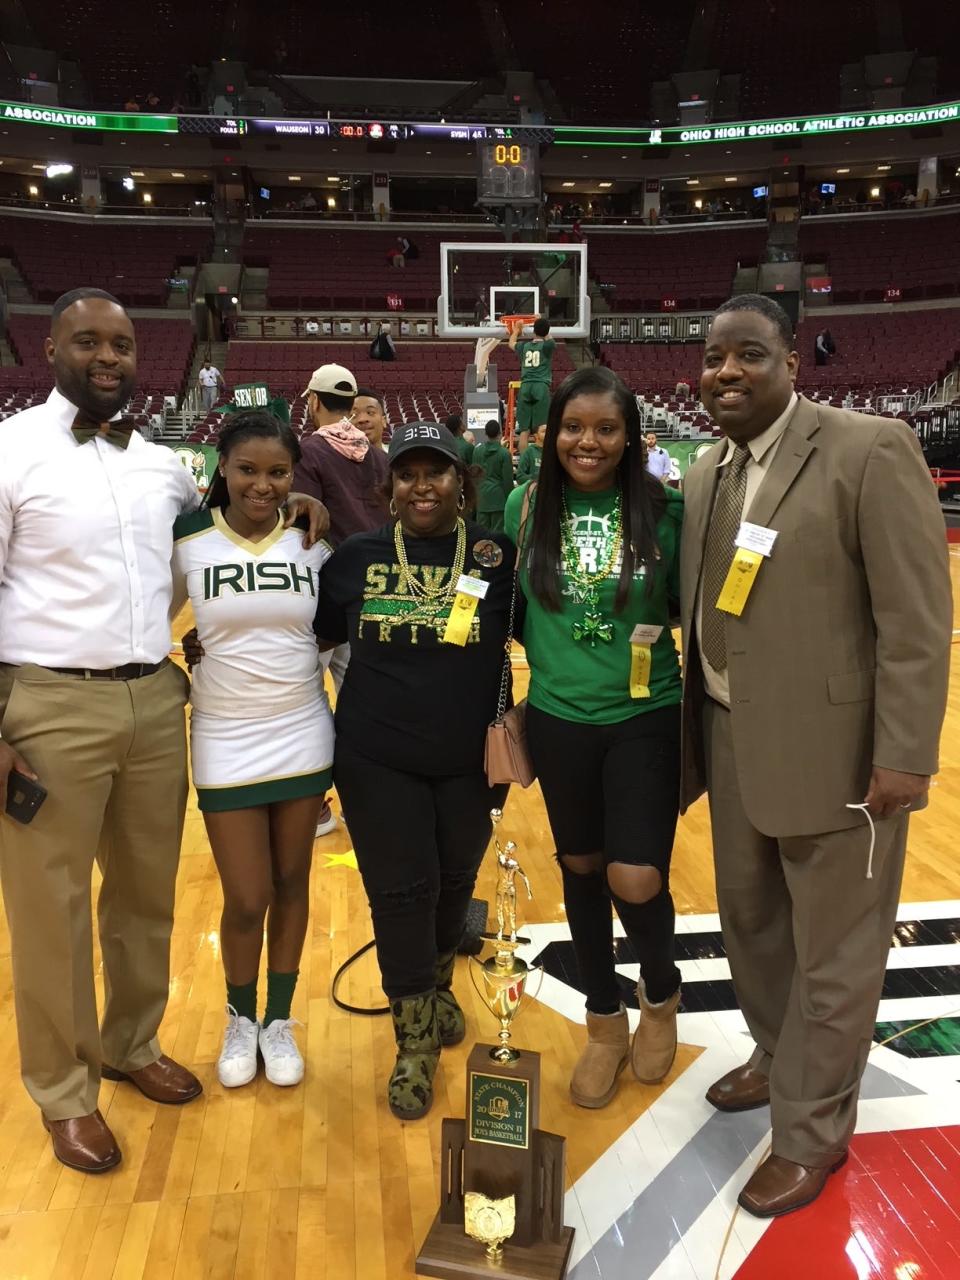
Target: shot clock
509,172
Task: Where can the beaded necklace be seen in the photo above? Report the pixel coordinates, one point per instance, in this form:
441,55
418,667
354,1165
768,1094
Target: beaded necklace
593,626
431,600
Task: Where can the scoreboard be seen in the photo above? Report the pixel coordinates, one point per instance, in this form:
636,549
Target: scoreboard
509,172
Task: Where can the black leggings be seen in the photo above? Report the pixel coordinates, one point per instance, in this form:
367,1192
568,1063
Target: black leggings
419,842
613,790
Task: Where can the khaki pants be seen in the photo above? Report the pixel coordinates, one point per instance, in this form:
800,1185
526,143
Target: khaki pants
112,755
807,937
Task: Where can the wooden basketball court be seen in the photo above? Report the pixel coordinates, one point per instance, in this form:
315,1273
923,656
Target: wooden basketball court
320,1181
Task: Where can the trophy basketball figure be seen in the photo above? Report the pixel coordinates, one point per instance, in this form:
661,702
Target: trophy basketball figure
501,1206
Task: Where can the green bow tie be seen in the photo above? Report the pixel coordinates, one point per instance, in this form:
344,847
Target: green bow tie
117,432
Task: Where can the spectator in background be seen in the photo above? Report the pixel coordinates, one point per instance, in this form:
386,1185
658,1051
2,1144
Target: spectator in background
464,439
131,103
823,347
211,382
383,346
309,202
658,460
340,467
909,199
682,391
497,482
370,417
408,248
528,468
153,102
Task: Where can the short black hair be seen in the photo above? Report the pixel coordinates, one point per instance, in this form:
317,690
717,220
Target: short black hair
77,295
372,395
492,428
454,423
766,307
335,404
541,327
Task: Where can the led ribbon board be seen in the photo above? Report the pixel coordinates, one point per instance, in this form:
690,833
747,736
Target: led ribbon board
74,118
749,130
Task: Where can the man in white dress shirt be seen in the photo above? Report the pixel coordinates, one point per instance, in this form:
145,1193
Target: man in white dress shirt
93,708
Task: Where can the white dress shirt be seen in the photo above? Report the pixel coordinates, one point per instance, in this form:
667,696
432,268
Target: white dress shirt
659,462
86,540
763,450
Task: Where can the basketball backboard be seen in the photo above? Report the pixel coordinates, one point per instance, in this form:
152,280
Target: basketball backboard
484,281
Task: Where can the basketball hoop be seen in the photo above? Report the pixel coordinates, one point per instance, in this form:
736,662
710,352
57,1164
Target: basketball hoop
514,322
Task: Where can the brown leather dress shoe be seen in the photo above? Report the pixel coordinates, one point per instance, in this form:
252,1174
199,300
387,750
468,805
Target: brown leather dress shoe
741,1089
162,1081
779,1186
84,1143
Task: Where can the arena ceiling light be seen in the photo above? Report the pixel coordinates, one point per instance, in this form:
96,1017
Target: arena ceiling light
333,179
34,191
175,173
58,170
604,184
843,171
730,179
883,168
293,177
127,183
568,184
693,182
38,166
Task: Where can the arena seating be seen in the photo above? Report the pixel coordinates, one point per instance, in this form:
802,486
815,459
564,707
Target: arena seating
164,354
919,253
620,50
145,52
133,262
695,267
323,267
885,351
750,37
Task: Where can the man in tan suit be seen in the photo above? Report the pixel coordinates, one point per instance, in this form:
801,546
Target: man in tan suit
827,690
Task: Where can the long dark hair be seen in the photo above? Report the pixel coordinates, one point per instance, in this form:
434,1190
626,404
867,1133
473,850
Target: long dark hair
249,424
642,494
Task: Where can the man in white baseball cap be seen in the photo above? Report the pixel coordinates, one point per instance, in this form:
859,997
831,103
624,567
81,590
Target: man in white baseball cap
339,466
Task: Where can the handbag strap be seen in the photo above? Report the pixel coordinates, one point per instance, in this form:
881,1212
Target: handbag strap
508,647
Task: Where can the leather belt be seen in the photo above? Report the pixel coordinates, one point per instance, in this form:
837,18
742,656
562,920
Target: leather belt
130,671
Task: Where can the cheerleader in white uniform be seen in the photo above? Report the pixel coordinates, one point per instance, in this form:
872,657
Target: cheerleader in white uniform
261,727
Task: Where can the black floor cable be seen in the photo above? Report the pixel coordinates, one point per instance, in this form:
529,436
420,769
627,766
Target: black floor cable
470,944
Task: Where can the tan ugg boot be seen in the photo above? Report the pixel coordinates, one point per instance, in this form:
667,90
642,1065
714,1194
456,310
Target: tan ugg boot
594,1079
655,1039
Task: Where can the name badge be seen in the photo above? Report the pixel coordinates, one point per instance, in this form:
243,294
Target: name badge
472,586
754,537
642,640
470,591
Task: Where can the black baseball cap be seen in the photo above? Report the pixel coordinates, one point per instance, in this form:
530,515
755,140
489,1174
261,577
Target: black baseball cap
422,435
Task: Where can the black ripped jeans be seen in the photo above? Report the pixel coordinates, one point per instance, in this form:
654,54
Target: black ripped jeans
419,841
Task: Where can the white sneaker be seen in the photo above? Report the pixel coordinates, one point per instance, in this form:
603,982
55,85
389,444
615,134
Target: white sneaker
237,1063
326,823
282,1062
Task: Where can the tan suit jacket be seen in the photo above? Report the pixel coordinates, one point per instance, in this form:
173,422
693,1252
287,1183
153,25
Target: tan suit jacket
841,656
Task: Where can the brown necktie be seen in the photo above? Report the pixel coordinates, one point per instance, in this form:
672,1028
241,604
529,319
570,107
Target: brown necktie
118,432
721,541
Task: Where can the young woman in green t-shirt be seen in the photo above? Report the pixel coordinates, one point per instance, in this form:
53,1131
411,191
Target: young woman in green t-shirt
599,567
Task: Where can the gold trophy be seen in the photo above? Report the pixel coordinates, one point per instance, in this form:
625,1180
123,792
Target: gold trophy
502,1182
504,974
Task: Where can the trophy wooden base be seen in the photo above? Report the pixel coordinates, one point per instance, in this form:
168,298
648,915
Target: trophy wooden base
451,1255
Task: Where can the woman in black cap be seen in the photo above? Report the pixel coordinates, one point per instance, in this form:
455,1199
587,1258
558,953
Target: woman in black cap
411,720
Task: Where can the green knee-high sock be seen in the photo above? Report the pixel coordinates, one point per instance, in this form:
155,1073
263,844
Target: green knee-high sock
280,989
243,997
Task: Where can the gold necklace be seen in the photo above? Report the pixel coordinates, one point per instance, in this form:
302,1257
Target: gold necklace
593,626
431,599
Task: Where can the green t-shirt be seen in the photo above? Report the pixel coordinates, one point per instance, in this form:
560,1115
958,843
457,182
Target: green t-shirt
591,684
528,468
536,360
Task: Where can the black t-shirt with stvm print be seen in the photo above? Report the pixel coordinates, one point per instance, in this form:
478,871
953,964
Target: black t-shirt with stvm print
409,700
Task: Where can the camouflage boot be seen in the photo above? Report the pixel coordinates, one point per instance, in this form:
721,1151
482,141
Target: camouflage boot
410,1089
450,1017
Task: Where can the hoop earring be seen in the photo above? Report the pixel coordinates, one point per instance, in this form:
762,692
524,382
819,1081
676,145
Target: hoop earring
461,501
393,508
